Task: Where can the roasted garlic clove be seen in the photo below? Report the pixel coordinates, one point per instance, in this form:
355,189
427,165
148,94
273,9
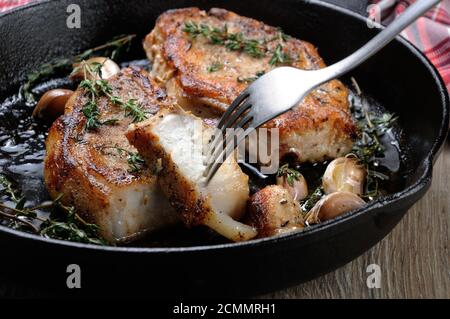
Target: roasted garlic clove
344,174
296,186
333,205
52,103
109,68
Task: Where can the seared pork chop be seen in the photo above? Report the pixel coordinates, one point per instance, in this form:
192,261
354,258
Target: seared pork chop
177,138
94,169
205,59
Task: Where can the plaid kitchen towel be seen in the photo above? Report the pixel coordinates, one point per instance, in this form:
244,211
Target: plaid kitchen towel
9,4
431,33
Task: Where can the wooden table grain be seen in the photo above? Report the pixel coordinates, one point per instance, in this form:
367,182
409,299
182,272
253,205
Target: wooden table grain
414,258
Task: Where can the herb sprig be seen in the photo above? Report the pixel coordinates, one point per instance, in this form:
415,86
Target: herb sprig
279,57
308,203
64,223
214,67
232,41
134,160
291,174
251,78
372,126
238,42
110,49
96,87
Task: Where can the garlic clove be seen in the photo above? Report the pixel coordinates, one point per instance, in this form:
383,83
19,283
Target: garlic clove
297,188
51,105
344,174
109,69
333,205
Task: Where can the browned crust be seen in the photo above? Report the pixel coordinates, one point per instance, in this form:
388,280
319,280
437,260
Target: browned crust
262,211
312,118
177,52
76,163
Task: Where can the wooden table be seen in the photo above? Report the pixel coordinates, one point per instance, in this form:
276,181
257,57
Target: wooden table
414,258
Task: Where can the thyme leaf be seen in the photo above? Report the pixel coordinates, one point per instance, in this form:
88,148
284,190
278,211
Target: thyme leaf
238,42
100,87
214,67
232,41
308,203
134,110
279,57
134,160
252,78
7,188
291,174
91,112
372,126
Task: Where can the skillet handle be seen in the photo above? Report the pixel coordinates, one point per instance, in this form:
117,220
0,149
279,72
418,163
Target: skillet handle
414,12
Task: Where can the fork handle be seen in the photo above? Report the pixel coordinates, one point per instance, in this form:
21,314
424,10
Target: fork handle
415,11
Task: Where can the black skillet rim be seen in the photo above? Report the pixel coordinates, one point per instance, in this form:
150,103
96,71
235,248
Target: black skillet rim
372,207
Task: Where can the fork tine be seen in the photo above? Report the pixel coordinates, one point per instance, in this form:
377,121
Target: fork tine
239,111
227,140
214,142
232,107
213,168
218,155
244,95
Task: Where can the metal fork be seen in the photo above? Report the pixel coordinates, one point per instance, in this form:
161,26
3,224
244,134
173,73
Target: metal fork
281,89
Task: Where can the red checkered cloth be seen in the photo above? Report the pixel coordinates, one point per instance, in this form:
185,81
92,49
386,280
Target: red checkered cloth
9,4
431,33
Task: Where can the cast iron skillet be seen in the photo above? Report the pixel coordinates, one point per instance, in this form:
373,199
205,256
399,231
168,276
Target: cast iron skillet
400,78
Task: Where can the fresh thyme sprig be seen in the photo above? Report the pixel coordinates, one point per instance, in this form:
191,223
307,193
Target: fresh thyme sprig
238,42
232,41
64,223
214,67
7,187
372,126
134,160
308,203
93,89
70,226
291,174
131,108
19,202
110,49
96,87
279,57
251,78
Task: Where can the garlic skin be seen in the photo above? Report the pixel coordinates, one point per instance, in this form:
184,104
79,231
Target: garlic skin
108,70
344,174
299,188
333,205
51,105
